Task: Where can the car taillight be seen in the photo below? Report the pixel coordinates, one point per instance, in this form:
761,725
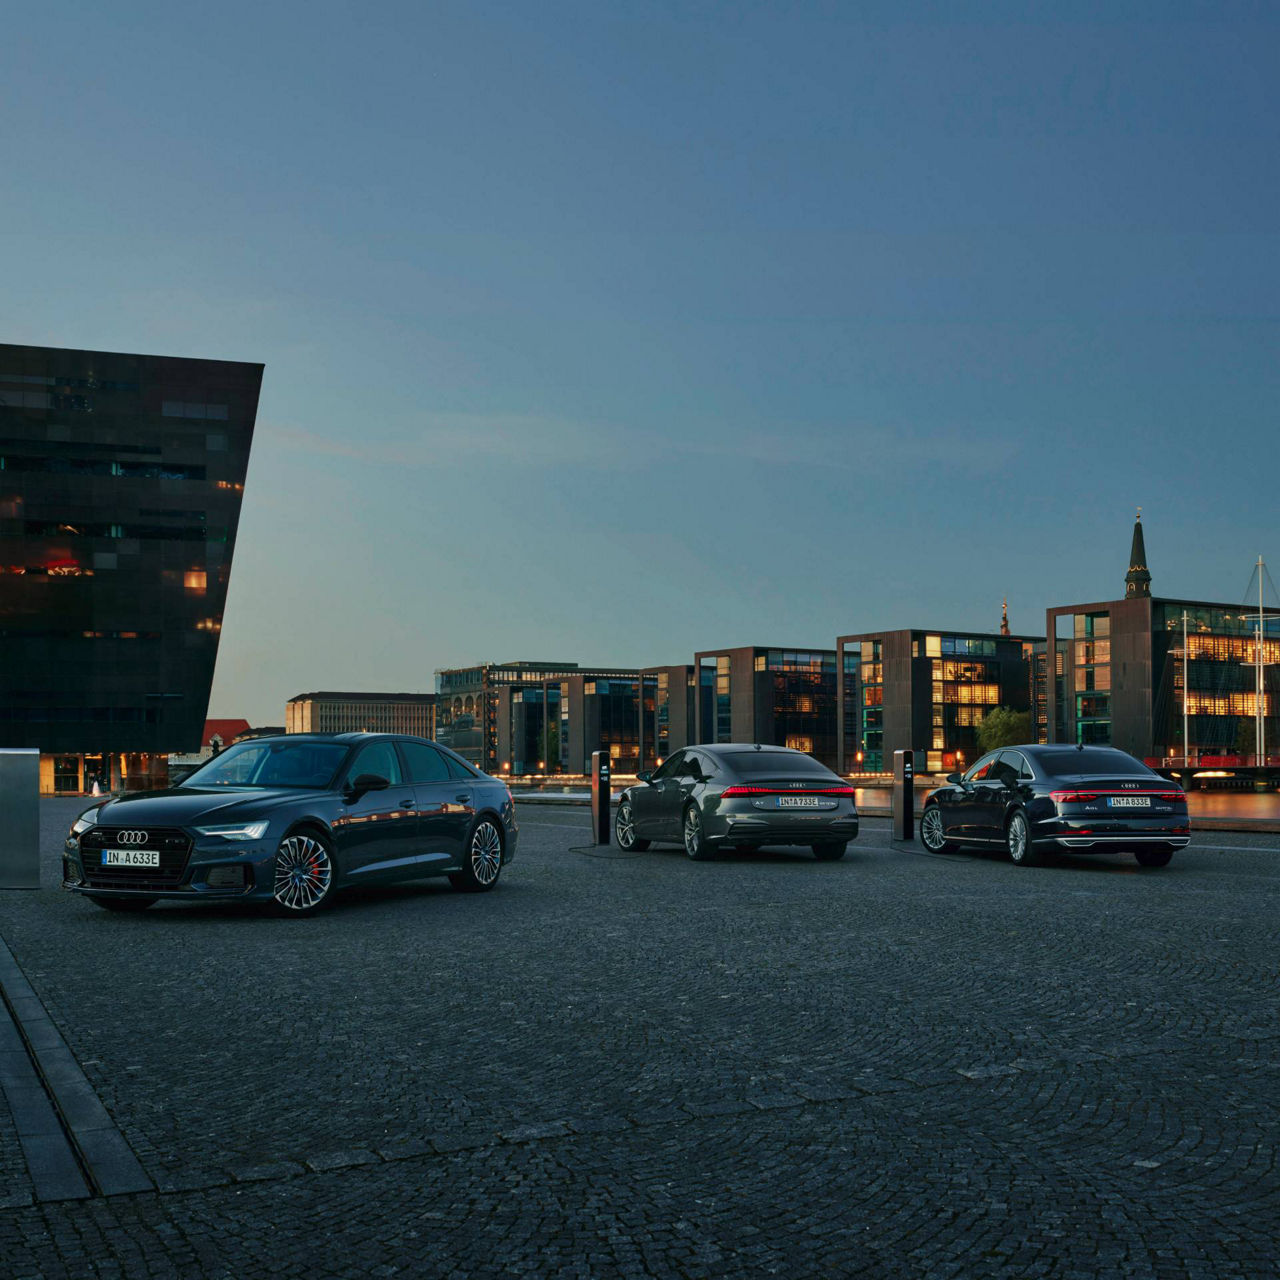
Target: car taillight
1173,796
1074,797
730,792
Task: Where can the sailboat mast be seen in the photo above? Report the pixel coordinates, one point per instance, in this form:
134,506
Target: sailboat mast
1186,689
1260,730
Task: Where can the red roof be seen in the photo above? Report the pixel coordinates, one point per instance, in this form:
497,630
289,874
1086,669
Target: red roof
223,729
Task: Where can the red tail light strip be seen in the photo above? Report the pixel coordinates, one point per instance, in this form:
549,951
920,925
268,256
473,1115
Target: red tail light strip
1083,797
729,792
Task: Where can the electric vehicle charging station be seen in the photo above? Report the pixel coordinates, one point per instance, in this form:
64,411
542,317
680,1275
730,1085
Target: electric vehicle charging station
904,795
600,797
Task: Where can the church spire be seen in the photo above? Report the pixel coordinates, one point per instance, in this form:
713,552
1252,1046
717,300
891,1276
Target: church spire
1004,617
1138,580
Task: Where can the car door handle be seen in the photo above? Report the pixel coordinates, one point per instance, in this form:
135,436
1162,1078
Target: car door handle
463,796
406,804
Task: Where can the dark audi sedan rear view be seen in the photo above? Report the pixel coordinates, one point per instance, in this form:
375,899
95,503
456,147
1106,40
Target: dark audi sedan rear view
1083,799
291,820
738,795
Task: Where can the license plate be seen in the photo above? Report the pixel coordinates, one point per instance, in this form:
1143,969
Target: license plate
802,802
1129,802
131,857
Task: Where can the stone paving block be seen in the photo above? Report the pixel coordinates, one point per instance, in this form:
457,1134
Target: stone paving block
267,1172
329,1161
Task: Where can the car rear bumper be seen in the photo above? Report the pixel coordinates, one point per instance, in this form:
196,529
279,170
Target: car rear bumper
783,828
1119,841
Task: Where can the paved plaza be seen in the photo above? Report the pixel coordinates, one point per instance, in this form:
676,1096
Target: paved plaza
892,1065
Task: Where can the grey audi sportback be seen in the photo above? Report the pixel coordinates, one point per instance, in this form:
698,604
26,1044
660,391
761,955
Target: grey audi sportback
738,795
292,820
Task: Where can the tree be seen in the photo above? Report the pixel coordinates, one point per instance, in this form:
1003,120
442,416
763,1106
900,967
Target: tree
1246,736
1003,727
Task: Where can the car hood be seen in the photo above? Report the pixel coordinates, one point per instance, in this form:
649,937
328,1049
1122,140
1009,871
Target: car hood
186,806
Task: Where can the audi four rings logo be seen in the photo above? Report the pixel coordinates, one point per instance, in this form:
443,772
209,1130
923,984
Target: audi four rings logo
132,837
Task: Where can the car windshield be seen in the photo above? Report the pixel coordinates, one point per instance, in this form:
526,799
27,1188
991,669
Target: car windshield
760,762
1062,764
271,764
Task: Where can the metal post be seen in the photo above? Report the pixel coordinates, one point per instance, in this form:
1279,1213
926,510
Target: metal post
1261,729
19,818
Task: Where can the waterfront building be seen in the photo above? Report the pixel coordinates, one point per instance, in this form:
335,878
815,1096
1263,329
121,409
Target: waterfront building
121,479
535,717
668,711
329,712
781,697
1119,669
926,690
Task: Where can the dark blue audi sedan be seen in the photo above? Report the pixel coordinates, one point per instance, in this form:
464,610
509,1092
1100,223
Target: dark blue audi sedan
291,820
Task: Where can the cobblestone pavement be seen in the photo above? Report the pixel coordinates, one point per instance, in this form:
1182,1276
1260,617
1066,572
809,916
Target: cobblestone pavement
893,1065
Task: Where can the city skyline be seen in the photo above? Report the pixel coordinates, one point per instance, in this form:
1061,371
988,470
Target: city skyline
613,337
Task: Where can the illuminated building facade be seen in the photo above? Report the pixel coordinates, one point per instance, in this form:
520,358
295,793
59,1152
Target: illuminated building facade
412,713
121,478
1122,676
926,691
783,697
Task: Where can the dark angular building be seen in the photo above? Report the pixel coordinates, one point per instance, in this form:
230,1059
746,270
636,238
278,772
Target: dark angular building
1121,675
784,697
121,478
926,691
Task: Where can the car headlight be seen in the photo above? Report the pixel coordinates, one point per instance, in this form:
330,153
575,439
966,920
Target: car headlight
236,830
83,823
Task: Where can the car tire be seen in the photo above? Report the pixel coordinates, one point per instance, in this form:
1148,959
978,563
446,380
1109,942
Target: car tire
830,850
1153,857
122,904
1017,838
932,833
482,862
303,874
695,836
624,830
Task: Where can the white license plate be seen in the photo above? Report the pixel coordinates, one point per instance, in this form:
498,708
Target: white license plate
802,802
131,857
1129,802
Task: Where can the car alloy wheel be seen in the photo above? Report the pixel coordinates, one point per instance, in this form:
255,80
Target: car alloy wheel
1018,843
695,838
483,862
624,830
932,833
304,874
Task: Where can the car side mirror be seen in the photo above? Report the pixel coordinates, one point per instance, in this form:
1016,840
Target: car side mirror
366,782
645,775
955,779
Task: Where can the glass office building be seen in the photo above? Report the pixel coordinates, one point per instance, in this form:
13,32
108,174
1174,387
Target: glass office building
534,717
926,691
1126,678
121,479
785,697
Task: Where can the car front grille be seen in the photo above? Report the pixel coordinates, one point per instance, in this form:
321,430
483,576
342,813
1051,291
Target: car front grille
173,845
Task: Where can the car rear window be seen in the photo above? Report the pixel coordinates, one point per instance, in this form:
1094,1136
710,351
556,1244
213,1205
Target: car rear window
772,762
1060,764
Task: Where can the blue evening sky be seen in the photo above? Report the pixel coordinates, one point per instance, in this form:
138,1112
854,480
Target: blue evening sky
608,332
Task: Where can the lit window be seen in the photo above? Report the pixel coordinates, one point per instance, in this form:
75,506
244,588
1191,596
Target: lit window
195,580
